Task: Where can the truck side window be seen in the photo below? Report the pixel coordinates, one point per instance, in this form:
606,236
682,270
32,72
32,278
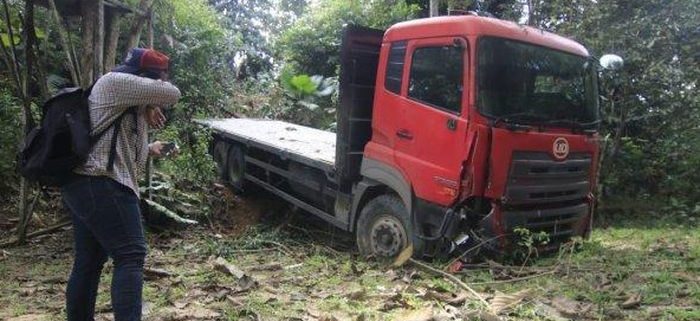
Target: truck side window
394,67
436,77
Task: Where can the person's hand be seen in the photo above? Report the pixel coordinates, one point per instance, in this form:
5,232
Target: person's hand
155,117
155,148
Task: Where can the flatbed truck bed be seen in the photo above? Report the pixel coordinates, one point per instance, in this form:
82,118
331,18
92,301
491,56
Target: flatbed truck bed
307,145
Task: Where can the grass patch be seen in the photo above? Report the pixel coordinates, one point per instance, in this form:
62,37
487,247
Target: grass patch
658,260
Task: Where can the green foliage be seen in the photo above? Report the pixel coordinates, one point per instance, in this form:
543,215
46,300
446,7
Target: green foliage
310,99
301,84
10,133
200,48
503,9
651,103
193,166
200,52
258,23
312,44
527,243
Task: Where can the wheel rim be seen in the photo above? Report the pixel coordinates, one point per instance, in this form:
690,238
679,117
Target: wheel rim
387,236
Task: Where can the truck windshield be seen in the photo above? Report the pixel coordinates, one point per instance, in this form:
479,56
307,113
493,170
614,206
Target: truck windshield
527,83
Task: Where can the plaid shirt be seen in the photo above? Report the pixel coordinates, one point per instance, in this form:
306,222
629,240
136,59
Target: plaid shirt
112,95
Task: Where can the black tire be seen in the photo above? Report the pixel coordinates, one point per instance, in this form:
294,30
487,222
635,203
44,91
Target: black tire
384,228
235,168
220,154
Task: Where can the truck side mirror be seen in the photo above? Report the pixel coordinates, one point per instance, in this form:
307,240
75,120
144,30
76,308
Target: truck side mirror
611,62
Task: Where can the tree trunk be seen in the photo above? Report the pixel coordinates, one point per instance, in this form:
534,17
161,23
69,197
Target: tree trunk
99,41
149,164
137,25
27,119
112,40
71,61
531,13
89,11
30,57
434,8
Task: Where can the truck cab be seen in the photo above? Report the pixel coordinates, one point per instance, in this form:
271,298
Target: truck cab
459,127
485,125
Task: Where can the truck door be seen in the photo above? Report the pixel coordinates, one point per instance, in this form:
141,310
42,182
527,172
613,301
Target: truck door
431,136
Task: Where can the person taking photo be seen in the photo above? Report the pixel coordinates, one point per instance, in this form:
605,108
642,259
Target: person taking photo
103,195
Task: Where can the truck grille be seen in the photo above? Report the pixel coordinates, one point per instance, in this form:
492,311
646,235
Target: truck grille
537,178
559,223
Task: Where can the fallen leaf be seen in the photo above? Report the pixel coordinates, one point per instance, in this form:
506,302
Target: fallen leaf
425,314
146,309
549,312
245,282
448,313
31,317
224,266
403,257
361,317
481,315
192,312
236,301
568,307
632,302
357,295
458,299
313,311
410,275
502,302
687,276
180,304
455,267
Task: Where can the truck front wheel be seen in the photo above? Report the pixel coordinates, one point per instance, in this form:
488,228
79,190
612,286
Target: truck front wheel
383,229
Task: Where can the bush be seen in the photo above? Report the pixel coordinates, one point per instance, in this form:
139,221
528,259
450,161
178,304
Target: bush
10,135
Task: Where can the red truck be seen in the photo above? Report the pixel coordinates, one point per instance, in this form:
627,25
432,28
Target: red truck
449,129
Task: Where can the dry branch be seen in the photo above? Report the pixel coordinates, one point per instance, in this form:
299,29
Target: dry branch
45,231
167,212
523,278
450,277
156,273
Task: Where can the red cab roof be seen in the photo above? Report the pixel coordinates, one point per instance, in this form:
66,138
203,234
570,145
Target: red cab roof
480,26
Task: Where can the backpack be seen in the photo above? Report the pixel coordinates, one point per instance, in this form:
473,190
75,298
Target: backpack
62,140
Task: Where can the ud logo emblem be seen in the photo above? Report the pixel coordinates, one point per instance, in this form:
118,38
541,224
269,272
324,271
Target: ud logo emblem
560,148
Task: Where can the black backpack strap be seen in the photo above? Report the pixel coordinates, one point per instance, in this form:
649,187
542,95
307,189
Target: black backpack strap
115,135
113,145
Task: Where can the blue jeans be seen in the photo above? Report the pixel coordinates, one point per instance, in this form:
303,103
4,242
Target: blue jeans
106,223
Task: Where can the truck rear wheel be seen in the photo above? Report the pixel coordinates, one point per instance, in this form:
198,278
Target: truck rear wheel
383,229
220,154
235,168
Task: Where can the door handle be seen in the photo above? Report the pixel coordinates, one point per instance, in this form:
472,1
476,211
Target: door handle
404,134
451,124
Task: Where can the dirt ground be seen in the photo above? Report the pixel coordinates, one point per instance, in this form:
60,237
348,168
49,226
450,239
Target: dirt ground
286,268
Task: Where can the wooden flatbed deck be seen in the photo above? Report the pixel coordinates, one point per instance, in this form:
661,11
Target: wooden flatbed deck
314,145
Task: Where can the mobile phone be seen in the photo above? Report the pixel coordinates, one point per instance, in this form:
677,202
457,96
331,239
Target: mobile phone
168,148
